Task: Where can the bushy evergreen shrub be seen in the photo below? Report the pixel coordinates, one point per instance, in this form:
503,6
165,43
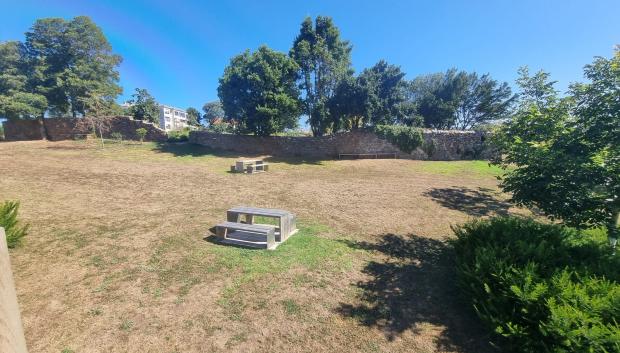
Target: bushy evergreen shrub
8,220
406,138
541,287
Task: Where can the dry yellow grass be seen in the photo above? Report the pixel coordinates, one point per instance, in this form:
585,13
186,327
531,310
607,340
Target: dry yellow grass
118,258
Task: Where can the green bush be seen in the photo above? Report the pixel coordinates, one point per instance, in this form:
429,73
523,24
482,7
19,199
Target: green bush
221,128
178,135
8,220
141,133
1,132
540,287
117,136
406,138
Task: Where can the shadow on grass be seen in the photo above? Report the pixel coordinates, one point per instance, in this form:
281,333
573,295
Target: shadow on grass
413,285
192,150
475,202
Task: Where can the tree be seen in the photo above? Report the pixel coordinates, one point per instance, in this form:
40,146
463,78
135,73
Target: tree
324,60
67,59
141,133
375,97
98,107
460,100
258,90
213,111
566,151
193,116
386,93
16,102
144,106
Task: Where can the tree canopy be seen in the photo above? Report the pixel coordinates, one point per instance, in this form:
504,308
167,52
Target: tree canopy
459,100
193,116
59,65
566,151
324,60
144,106
213,111
259,91
376,97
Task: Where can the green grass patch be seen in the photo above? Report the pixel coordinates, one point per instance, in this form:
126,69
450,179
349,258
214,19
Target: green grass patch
471,168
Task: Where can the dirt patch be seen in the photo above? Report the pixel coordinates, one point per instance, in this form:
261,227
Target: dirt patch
116,259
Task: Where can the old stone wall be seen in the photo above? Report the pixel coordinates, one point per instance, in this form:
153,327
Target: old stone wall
57,129
438,145
23,130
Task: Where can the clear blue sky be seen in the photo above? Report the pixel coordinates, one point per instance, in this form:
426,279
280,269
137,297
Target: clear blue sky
178,49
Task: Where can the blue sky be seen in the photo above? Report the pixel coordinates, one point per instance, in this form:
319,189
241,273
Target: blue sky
178,49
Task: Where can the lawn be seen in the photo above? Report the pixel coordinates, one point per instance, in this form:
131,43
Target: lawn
120,257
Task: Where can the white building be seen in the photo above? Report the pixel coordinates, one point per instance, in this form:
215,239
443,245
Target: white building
171,118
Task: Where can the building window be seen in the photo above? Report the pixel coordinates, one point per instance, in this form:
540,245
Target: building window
166,111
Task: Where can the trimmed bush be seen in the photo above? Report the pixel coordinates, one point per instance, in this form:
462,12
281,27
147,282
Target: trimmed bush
541,287
406,138
8,220
141,133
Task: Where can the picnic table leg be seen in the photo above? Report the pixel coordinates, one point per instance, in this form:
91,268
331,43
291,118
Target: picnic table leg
232,216
249,219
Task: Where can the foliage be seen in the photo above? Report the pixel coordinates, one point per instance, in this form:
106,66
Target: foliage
540,287
221,127
193,116
1,131
144,106
566,151
15,100
324,60
8,220
141,133
258,91
178,135
117,136
65,61
376,97
406,138
213,111
457,99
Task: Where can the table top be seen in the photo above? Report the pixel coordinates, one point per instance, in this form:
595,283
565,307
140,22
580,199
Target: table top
260,211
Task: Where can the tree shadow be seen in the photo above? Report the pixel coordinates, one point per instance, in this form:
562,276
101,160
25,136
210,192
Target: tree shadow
194,150
188,150
475,202
413,286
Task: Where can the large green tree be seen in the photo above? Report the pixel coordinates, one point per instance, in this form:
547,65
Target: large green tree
213,111
144,106
193,116
562,155
16,100
460,100
324,60
376,97
258,90
68,60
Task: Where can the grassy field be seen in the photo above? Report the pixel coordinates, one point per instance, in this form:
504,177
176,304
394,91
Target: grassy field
120,257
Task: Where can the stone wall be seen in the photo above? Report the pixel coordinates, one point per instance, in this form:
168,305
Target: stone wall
438,145
56,129
23,130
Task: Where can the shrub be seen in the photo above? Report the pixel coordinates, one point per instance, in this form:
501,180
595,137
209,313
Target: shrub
8,220
117,136
406,138
540,287
141,133
1,132
178,135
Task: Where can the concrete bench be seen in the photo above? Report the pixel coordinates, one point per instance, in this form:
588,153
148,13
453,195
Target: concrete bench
249,166
253,235
379,155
